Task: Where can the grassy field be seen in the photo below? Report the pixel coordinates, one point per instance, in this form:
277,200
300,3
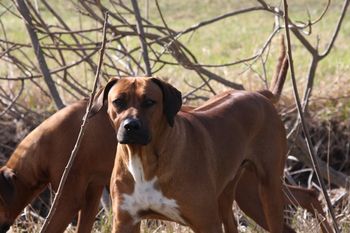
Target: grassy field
223,42
226,41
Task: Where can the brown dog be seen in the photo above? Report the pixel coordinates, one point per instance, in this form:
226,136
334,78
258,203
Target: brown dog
184,165
176,165
41,157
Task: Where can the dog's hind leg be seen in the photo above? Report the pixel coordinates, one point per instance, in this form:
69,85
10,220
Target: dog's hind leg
270,192
226,201
247,198
225,204
89,209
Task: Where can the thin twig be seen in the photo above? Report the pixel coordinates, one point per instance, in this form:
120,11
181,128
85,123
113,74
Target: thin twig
55,70
302,120
337,29
216,19
316,57
206,82
9,106
80,136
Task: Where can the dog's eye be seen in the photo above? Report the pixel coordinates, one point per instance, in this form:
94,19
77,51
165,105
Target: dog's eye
148,103
119,103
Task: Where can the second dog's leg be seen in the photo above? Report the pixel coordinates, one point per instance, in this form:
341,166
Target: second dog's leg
89,209
307,198
66,210
71,201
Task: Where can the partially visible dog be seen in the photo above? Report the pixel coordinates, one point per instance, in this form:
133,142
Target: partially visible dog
41,157
184,166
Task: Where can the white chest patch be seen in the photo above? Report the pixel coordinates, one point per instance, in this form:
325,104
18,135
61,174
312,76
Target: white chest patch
146,197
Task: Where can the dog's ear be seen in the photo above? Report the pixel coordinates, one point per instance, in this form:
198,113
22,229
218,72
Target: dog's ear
101,97
7,186
172,100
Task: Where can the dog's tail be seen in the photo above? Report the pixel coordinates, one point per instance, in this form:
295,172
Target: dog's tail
276,87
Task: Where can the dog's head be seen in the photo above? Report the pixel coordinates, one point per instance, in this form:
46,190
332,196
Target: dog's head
138,107
7,195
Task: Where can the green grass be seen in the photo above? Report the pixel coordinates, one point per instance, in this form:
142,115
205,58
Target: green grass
225,41
241,36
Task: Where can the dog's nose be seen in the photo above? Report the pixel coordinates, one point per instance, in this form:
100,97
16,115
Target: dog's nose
132,124
133,131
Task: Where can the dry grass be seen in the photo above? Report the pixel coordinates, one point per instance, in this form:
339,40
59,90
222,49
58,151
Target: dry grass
299,219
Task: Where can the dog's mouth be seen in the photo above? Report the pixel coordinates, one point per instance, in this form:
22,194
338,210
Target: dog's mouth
140,137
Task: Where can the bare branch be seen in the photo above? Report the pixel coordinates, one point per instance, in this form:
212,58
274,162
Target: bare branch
337,29
218,18
142,37
23,9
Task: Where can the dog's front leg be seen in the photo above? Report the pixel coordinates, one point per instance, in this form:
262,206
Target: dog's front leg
122,228
124,223
205,218
125,220
213,226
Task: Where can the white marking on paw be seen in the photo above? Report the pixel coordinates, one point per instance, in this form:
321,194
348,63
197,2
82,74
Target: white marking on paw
146,197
